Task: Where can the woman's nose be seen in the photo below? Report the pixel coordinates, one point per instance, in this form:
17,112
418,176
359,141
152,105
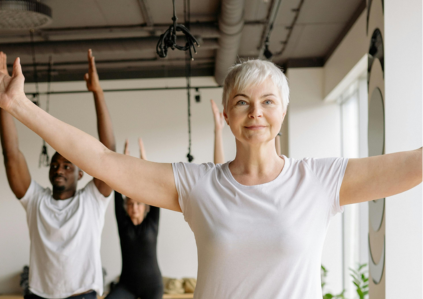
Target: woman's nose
255,111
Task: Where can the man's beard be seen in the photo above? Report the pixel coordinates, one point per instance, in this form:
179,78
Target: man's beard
59,188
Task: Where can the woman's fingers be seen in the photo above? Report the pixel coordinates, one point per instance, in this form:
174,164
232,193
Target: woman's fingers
17,69
142,149
214,107
3,63
126,149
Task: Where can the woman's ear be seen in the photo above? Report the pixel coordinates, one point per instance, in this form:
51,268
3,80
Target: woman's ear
225,116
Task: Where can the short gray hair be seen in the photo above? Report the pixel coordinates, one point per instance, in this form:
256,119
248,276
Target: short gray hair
252,72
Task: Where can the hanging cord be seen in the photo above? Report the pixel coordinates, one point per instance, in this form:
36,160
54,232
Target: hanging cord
44,157
188,76
168,39
36,95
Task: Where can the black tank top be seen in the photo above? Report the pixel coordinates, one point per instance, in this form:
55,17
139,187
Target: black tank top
138,244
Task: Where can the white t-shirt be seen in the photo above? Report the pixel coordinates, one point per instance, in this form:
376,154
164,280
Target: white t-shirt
65,241
262,241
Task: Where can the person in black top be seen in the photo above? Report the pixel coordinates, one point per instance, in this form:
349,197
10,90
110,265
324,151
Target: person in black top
138,227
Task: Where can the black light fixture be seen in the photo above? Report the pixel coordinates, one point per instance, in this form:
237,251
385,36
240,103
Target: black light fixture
168,39
267,52
197,95
24,14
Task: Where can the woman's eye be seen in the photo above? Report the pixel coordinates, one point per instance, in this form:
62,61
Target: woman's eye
268,102
66,167
241,103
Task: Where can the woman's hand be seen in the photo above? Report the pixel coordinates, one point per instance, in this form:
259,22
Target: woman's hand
219,120
125,148
11,88
142,149
91,78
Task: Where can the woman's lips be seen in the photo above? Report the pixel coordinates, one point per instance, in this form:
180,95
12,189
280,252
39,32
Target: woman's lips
255,127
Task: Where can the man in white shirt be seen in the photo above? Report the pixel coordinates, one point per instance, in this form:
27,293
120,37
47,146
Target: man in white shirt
64,224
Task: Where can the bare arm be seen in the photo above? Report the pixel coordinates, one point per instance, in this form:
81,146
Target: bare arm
104,121
219,122
14,161
148,182
381,176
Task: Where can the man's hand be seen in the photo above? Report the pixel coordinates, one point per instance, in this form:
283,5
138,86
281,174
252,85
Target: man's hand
93,83
219,120
11,88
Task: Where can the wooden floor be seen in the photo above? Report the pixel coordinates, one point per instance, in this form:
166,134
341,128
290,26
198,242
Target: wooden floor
167,296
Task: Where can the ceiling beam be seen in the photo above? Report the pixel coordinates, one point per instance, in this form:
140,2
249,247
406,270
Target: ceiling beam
203,30
120,74
122,45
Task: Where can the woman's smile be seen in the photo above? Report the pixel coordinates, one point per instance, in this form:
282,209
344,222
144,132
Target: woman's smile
255,127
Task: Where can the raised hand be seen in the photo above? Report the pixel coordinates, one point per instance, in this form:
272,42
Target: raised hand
142,149
125,148
219,120
3,63
11,88
91,78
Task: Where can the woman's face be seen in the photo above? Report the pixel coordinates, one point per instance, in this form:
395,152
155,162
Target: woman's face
255,115
135,209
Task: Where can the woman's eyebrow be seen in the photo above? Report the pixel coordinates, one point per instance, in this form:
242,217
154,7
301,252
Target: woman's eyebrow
240,95
268,94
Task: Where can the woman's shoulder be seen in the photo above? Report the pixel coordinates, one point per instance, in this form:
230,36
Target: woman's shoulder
194,169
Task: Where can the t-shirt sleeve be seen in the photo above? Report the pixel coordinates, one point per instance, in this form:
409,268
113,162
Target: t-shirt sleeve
330,173
91,191
187,176
34,192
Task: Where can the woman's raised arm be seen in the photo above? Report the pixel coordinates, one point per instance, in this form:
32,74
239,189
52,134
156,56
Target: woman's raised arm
148,182
377,177
219,123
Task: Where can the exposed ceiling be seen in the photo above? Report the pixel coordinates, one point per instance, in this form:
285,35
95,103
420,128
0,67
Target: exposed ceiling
123,35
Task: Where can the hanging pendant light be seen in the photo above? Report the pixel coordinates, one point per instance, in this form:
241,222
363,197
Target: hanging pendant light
23,14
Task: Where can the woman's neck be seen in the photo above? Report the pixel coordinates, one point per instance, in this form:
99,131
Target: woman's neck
256,165
137,221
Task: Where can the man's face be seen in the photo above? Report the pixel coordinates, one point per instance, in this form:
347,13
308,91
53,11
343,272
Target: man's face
63,174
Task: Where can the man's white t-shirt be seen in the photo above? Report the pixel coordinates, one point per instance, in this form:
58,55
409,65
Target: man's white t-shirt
262,241
65,241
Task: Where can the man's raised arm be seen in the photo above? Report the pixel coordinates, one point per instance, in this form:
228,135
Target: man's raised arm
104,121
148,182
14,161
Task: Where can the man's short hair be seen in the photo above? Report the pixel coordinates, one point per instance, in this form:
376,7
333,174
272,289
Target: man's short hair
253,72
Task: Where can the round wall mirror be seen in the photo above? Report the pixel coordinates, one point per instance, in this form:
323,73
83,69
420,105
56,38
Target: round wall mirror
376,129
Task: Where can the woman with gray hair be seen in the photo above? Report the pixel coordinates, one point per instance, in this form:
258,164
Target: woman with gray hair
259,220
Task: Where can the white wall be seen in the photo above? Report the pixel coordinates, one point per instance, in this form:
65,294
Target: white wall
160,118
344,66
314,131
403,115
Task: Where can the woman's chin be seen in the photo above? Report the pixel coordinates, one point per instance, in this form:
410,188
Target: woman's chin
255,139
